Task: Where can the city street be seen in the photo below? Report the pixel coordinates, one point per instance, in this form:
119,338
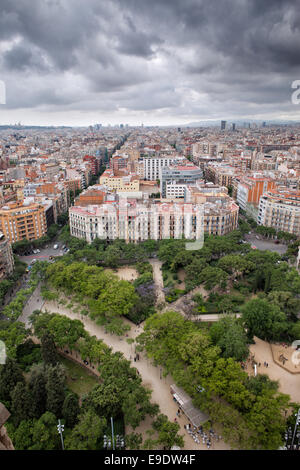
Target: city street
262,244
44,253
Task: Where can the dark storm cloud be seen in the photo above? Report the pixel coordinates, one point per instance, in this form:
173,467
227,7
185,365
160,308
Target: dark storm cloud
133,41
23,57
194,58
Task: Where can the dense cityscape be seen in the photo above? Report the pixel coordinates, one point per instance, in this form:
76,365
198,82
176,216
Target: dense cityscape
150,269
114,206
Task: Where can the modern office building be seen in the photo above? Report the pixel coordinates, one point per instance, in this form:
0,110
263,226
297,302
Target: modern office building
174,177
153,165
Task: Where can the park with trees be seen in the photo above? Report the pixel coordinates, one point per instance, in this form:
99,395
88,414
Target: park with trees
37,394
248,411
260,286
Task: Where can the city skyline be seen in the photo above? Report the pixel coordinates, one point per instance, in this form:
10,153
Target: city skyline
165,64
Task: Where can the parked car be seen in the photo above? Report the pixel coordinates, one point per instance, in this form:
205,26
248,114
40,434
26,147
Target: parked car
55,246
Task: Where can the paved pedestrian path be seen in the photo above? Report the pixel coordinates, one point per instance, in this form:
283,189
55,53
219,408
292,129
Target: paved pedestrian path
151,375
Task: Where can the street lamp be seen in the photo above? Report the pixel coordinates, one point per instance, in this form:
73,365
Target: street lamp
290,435
296,427
106,442
120,443
112,432
60,428
113,441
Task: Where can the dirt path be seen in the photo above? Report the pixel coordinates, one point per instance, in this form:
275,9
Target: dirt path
151,375
288,383
126,273
158,280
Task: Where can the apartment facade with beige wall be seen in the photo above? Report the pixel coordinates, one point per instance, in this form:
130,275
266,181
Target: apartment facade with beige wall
280,210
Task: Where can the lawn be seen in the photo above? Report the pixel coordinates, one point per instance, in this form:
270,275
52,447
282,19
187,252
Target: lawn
79,380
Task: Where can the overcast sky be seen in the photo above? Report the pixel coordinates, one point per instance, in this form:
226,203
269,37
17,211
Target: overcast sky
81,62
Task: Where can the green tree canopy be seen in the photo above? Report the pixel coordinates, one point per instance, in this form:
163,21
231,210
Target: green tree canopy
88,433
230,336
264,319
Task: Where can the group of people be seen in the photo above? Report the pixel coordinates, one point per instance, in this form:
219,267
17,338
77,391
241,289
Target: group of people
196,434
253,362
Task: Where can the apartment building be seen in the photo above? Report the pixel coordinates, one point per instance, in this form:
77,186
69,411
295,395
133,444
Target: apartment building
122,181
207,207
175,190
118,162
220,211
50,169
153,165
205,148
280,210
134,221
92,196
95,163
220,174
251,188
30,189
20,221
